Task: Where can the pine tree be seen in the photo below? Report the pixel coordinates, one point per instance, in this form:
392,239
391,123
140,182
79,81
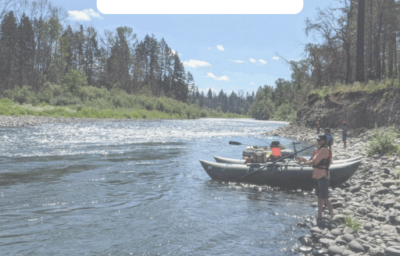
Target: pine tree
8,52
26,52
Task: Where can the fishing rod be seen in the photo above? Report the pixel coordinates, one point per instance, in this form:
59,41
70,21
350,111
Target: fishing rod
272,164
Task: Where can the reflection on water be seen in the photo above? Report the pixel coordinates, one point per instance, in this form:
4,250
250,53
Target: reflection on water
137,188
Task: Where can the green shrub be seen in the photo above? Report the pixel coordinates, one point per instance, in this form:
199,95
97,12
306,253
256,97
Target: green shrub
383,142
353,223
74,80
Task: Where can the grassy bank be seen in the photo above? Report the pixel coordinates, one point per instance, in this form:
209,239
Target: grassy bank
92,102
369,87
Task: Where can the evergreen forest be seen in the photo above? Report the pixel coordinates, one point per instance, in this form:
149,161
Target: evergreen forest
45,62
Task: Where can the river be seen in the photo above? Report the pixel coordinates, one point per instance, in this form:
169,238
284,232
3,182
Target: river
137,188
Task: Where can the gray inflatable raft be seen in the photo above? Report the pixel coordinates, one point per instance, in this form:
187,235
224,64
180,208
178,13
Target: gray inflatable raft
284,176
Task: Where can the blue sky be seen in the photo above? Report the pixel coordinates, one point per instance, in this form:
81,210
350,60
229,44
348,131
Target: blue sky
229,52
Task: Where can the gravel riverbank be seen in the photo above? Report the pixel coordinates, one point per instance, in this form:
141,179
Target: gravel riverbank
370,198
12,121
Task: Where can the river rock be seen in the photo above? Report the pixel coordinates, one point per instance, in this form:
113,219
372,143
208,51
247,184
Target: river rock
348,238
382,191
375,233
347,253
319,252
355,188
334,249
367,226
396,206
363,210
388,183
336,232
316,230
339,218
355,246
326,242
389,203
337,205
305,249
388,229
306,241
386,170
348,230
392,251
339,241
378,251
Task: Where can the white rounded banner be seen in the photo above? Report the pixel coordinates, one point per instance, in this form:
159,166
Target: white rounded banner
199,7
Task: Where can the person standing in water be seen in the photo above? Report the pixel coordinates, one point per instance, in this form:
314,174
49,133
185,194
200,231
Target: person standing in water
344,133
321,161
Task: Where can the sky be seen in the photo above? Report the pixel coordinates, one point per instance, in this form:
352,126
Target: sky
228,52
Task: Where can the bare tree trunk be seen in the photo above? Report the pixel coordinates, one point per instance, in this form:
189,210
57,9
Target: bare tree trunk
360,41
369,69
390,75
384,56
396,73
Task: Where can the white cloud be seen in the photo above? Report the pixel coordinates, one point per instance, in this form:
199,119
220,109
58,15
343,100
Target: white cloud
238,61
209,48
252,60
196,63
275,58
220,47
221,78
263,62
252,83
87,15
174,52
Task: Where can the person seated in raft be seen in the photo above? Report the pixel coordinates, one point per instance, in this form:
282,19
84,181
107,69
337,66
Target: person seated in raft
321,160
276,149
275,155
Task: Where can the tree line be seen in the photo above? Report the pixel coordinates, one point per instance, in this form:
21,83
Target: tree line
36,48
347,30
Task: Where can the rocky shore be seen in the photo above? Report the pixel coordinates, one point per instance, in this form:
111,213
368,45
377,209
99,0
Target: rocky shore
366,207
12,121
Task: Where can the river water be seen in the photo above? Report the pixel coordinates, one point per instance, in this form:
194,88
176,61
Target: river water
137,188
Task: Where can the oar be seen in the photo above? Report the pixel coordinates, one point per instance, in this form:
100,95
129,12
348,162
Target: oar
238,143
272,164
294,146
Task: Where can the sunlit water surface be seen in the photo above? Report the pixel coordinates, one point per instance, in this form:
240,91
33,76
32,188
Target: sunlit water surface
137,188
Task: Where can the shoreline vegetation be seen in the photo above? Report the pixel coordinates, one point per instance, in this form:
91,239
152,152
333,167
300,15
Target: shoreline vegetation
91,102
367,206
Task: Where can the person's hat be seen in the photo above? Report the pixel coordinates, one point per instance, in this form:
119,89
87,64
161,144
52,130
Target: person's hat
327,129
321,137
275,144
344,122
